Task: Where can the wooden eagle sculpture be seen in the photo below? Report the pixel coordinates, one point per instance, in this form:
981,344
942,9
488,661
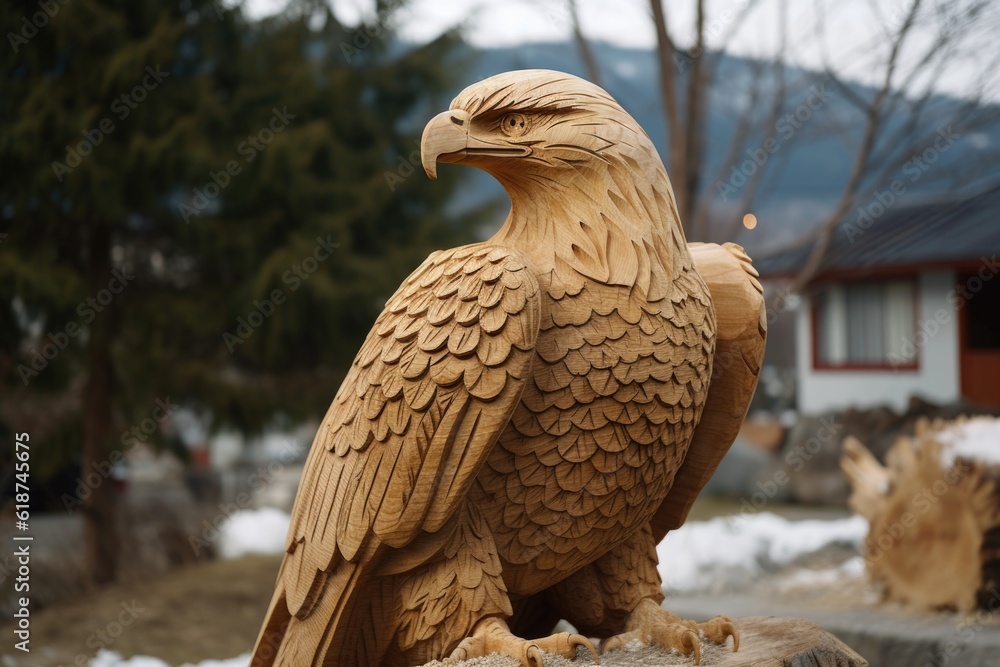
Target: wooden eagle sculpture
529,415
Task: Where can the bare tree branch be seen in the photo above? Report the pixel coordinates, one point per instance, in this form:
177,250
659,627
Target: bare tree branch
737,22
676,137
744,125
583,45
777,107
873,121
694,146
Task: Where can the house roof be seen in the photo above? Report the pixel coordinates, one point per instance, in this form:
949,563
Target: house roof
942,233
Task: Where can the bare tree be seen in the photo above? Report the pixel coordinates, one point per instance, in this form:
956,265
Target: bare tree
906,94
898,117
686,125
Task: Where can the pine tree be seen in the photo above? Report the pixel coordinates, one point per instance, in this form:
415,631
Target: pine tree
199,210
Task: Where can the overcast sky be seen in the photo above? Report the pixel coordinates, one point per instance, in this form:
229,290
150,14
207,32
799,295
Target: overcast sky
844,30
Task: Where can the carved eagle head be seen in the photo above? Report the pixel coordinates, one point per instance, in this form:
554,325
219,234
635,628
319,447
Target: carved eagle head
532,122
576,166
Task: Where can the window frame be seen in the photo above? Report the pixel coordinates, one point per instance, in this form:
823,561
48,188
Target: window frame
814,305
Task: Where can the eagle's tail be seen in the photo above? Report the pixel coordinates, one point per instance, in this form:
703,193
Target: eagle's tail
273,631
345,630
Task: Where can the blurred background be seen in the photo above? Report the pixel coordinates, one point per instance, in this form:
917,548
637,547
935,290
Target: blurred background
204,205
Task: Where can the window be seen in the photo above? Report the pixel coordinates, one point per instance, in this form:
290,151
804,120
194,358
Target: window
866,324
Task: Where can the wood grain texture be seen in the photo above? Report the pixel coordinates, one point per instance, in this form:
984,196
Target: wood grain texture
933,528
526,410
739,352
790,642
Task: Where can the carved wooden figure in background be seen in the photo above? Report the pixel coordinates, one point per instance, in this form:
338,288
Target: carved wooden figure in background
530,415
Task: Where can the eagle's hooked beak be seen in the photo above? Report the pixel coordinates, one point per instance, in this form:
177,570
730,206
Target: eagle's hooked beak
445,138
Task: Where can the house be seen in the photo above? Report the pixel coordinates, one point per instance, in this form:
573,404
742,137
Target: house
906,302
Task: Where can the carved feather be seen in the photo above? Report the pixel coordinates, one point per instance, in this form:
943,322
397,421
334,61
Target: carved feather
410,427
739,354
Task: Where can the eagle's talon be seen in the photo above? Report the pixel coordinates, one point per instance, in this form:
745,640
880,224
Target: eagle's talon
718,630
692,643
565,644
619,641
532,656
730,631
492,635
580,640
458,655
651,624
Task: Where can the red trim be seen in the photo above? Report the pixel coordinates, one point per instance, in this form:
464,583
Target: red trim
819,365
861,367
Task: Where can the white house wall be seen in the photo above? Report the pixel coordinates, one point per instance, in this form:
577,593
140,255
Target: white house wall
937,378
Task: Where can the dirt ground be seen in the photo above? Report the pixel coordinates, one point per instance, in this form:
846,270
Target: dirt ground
211,610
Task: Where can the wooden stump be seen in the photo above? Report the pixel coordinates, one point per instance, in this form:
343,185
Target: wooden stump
765,641
768,641
934,515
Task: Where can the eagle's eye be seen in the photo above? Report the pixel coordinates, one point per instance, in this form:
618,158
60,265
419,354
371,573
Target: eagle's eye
514,124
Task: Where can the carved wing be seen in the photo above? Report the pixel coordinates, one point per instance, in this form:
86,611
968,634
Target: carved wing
430,391
739,352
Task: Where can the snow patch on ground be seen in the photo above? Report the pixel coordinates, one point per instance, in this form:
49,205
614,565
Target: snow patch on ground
976,438
253,532
852,568
105,658
733,550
